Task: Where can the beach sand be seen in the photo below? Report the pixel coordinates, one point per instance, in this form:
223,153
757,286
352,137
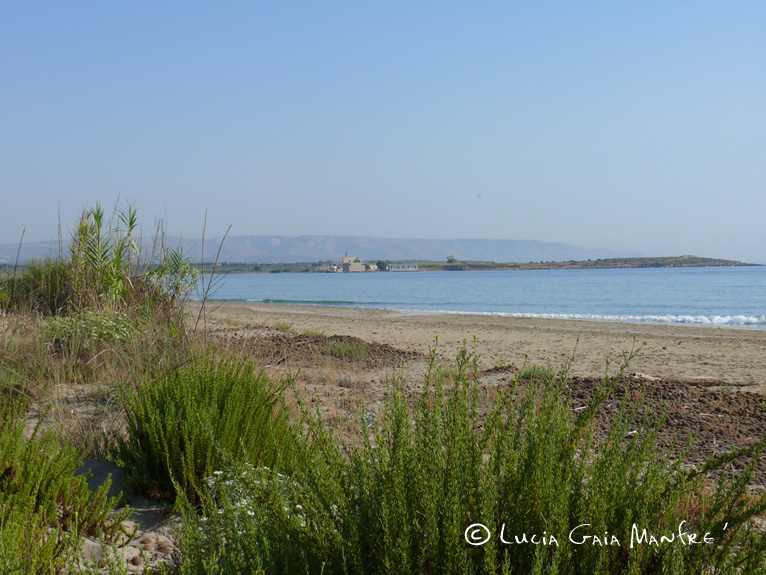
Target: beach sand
704,354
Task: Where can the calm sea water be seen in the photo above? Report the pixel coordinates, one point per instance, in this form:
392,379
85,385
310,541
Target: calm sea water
734,296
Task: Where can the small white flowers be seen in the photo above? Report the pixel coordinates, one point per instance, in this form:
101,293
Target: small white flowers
240,493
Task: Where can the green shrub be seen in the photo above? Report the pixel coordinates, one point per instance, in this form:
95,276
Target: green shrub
89,331
42,286
184,424
345,350
44,508
108,269
409,499
258,521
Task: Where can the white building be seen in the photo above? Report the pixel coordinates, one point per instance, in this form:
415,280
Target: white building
402,267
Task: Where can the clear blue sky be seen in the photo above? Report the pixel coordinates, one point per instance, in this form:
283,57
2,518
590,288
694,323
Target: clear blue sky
634,126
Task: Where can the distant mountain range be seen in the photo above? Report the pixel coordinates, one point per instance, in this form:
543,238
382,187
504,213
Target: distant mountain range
287,249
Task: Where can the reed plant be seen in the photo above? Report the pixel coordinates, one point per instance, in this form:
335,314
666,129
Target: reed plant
107,268
441,486
109,309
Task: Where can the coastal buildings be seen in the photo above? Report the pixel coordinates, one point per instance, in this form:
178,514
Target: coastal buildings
352,264
402,267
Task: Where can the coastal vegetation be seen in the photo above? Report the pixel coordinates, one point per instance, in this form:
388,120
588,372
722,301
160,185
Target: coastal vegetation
608,263
443,484
450,478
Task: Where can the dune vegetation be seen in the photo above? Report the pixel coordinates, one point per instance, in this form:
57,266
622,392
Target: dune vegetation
446,481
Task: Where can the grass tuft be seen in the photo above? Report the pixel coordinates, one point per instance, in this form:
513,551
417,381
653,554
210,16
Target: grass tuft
345,350
315,333
283,327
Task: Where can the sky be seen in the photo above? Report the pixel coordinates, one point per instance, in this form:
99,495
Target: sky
632,126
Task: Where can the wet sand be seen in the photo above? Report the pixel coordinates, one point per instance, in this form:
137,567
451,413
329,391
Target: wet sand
734,356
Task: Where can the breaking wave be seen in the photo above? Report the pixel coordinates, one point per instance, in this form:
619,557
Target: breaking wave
722,320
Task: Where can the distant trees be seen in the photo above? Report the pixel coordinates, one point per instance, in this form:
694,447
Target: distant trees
382,265
451,260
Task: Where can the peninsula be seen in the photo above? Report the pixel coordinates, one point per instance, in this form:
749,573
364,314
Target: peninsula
609,263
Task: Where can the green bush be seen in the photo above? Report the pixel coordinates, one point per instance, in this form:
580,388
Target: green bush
44,508
42,286
184,425
89,331
409,499
258,521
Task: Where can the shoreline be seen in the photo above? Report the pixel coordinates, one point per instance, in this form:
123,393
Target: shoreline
532,316
706,354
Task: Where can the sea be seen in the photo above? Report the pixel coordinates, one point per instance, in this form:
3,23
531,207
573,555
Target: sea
715,296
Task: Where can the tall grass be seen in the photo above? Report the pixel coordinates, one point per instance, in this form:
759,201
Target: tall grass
437,487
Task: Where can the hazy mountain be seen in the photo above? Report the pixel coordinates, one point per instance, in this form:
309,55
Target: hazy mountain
284,249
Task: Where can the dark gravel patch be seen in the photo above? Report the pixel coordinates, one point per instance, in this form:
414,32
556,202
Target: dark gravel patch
276,348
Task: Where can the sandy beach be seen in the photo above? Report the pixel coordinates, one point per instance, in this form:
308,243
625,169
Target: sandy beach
734,356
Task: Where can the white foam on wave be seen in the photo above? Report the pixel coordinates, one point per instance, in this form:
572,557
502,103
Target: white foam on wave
722,320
